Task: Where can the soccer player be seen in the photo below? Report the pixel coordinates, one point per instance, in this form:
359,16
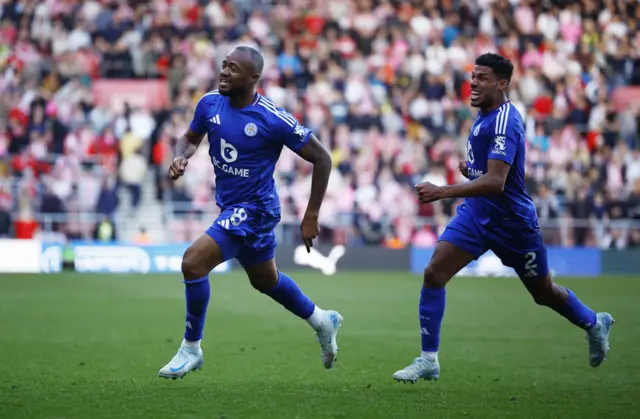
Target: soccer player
497,214
246,134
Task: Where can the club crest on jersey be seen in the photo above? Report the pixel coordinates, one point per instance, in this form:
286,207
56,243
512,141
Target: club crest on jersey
250,129
477,130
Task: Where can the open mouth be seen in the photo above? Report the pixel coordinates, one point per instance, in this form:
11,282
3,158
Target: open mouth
475,95
224,83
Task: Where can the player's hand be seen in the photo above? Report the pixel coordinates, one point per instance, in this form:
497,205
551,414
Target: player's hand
177,167
310,230
462,166
428,192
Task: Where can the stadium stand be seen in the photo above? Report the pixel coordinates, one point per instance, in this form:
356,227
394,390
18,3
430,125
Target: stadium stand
383,83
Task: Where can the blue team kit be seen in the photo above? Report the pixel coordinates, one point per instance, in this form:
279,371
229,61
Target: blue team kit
504,223
244,146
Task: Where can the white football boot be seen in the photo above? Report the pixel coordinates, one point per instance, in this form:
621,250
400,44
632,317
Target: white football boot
420,368
598,338
186,360
327,334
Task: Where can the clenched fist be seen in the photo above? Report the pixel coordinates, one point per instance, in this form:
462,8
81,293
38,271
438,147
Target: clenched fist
428,192
178,165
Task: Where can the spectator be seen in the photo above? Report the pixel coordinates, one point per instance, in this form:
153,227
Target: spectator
142,237
132,172
105,231
5,209
107,198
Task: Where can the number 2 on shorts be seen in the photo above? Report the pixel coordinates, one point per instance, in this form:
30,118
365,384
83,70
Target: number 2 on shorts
530,265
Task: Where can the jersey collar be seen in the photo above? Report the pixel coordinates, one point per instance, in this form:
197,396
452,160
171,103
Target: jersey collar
255,102
493,110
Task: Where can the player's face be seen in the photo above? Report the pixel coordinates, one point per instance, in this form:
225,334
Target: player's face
237,74
485,86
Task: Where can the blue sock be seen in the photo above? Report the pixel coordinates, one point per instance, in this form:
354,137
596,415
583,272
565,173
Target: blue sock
576,312
432,301
197,293
287,293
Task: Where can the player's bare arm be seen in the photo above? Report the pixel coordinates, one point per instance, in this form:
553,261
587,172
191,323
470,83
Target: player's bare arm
185,148
488,184
316,154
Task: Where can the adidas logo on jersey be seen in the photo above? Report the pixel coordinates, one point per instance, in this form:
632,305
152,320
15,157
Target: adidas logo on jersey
215,120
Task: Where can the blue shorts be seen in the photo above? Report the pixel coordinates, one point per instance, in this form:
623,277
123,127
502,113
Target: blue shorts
520,248
246,233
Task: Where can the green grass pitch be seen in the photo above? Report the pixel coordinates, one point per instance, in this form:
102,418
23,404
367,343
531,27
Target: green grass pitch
90,346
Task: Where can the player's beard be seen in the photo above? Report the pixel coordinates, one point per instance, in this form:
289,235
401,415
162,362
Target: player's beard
234,91
486,101
225,86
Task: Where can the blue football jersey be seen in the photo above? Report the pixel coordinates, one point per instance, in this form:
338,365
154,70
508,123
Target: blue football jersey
499,134
244,146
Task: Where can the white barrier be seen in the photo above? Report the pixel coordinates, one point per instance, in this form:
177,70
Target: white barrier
34,256
20,256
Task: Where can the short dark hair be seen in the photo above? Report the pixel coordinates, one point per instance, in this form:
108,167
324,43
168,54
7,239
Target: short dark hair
256,57
502,67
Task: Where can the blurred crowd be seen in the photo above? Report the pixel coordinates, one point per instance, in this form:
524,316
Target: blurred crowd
383,83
